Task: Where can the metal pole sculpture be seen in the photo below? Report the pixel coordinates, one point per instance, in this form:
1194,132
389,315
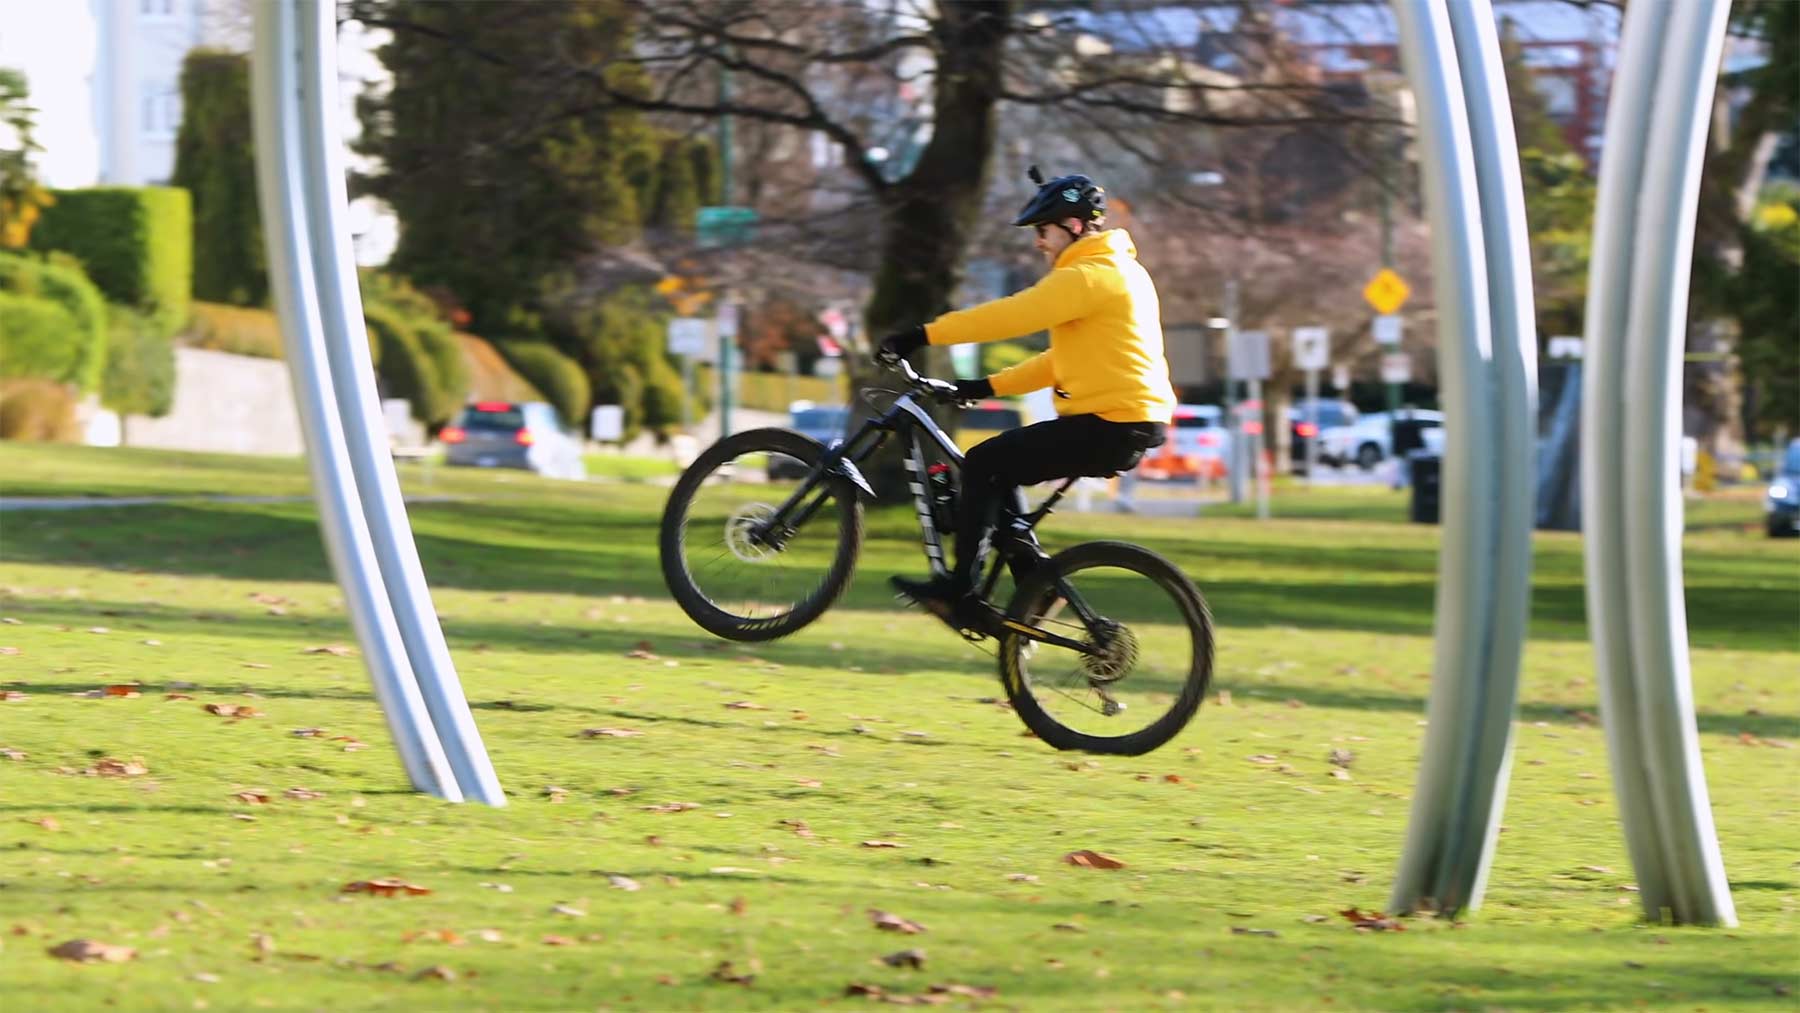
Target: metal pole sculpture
367,536
1630,434
1487,362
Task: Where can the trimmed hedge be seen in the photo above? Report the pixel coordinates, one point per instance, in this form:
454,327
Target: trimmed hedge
80,354
35,339
140,367
561,378
419,358
135,242
243,330
215,160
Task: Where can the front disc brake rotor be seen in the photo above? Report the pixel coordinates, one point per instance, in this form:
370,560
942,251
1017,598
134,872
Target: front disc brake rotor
741,533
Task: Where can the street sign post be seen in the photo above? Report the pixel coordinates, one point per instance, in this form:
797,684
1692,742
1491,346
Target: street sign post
1248,359
1387,329
690,338
1312,351
716,226
1396,368
727,323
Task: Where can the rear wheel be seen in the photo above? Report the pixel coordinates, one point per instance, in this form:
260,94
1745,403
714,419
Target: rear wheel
1154,650
728,566
1368,456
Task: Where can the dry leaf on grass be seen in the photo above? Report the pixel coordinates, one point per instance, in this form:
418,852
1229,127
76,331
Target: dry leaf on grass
126,690
745,705
564,909
1372,921
914,958
728,973
625,883
335,650
799,827
13,754
739,905
10,695
47,822
252,797
88,951
1239,930
351,743
263,942
672,807
308,733
967,991
385,887
233,710
449,937
889,922
109,766
882,844
436,972
177,696
609,733
1092,860
555,795
555,940
302,794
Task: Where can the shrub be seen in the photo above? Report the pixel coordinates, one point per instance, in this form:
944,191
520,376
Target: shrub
215,160
490,378
419,358
406,369
559,377
82,352
32,409
239,330
35,339
135,242
140,367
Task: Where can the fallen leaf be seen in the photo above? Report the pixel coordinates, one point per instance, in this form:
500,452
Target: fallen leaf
564,909
177,696
799,827
98,629
302,794
914,958
1240,930
609,733
385,887
1092,860
672,807
888,922
335,650
233,710
882,844
728,973
351,743
436,972
1372,921
554,794
1265,758
1067,927
10,695
967,991
1341,774
807,782
13,754
308,733
489,935
739,905
252,797
264,943
1172,778
88,951
122,690
47,822
625,883
745,705
1021,877
554,940
112,767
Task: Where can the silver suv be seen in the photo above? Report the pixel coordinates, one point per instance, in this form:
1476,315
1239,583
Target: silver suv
513,434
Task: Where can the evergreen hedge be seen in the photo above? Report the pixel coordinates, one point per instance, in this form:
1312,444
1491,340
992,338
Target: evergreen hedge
136,243
215,160
561,378
140,367
35,339
77,353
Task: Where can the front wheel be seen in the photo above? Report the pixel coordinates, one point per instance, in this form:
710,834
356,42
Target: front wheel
754,546
1152,658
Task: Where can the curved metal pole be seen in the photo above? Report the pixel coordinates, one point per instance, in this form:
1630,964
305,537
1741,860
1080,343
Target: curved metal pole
1656,132
276,85
1487,357
358,407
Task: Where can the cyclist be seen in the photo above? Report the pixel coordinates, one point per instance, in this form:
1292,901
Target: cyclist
1105,362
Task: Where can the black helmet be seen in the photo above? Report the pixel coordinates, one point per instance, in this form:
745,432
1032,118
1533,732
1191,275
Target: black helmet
1062,198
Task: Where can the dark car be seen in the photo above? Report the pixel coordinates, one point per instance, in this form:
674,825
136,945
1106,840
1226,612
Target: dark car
1783,502
1305,428
512,434
825,423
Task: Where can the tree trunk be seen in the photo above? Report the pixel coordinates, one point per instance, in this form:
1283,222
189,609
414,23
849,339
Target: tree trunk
927,217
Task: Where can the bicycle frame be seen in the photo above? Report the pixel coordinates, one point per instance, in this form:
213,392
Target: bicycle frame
1013,535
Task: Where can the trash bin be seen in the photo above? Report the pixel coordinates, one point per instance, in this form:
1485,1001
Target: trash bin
1427,469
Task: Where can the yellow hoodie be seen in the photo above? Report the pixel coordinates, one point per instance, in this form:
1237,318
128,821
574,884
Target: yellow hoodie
1106,344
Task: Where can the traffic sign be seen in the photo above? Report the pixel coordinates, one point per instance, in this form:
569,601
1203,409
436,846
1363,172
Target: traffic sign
716,226
1248,356
728,320
689,336
1387,329
1396,367
1312,347
1387,291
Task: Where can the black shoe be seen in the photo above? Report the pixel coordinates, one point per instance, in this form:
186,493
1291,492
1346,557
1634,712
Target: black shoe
961,609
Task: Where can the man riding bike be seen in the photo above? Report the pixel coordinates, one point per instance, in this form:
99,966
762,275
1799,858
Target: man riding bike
1105,362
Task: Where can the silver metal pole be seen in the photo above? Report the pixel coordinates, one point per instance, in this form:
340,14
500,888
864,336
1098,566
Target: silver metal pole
1256,468
353,381
277,84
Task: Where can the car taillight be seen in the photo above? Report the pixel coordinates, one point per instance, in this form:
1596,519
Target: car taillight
1306,429
1208,440
493,406
451,434
524,438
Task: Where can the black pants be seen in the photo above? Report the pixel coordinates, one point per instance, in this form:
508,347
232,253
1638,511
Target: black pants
1067,447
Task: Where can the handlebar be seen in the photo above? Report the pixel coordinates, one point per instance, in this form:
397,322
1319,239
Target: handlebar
939,390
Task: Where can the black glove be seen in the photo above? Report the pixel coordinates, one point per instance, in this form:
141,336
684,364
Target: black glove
974,390
898,346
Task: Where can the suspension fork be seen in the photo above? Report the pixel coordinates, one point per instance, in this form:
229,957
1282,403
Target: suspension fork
775,531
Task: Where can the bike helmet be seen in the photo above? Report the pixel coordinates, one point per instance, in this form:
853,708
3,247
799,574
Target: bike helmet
1062,198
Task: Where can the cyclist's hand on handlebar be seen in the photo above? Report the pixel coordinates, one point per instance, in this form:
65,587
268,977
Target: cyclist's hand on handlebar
898,346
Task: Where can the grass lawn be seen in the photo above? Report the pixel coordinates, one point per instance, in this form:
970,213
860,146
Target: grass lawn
740,827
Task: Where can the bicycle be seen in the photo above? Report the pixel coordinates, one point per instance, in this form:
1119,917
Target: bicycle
1091,636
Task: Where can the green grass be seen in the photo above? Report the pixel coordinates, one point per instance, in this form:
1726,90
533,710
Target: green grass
875,725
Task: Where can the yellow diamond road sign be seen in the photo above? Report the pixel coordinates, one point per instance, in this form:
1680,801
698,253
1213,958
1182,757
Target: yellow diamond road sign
1386,291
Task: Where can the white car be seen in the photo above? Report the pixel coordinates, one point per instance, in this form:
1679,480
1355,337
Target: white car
1370,439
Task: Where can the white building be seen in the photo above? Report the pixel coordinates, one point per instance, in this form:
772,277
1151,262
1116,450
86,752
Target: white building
105,76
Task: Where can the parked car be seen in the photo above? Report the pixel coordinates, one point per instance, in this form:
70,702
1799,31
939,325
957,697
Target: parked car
1370,439
1198,446
825,423
1304,427
513,434
1783,502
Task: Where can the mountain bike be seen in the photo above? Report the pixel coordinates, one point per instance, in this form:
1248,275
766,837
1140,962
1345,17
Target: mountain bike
1093,640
